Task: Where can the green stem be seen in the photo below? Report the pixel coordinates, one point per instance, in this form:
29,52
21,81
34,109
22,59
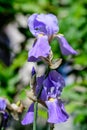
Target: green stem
35,116
35,109
48,126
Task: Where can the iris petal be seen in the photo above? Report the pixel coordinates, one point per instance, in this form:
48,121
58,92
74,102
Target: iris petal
56,112
54,83
31,20
46,24
2,104
29,117
66,49
40,49
33,71
43,94
50,21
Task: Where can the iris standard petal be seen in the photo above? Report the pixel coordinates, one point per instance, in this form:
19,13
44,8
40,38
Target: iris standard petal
66,49
36,27
56,79
54,83
2,104
46,24
56,111
40,49
50,21
29,117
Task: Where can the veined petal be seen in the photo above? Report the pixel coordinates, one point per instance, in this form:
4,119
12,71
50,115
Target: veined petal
40,49
66,49
29,117
54,84
57,78
46,24
2,104
50,22
56,111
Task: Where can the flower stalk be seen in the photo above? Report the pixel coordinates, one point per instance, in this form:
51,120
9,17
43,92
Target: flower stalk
46,88
35,116
35,109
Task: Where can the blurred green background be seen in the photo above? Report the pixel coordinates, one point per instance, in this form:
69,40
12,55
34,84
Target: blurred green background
15,41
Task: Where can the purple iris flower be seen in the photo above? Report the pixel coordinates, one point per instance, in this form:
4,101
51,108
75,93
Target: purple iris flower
44,27
52,86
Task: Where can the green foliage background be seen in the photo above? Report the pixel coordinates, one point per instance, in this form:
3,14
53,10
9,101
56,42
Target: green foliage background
72,16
